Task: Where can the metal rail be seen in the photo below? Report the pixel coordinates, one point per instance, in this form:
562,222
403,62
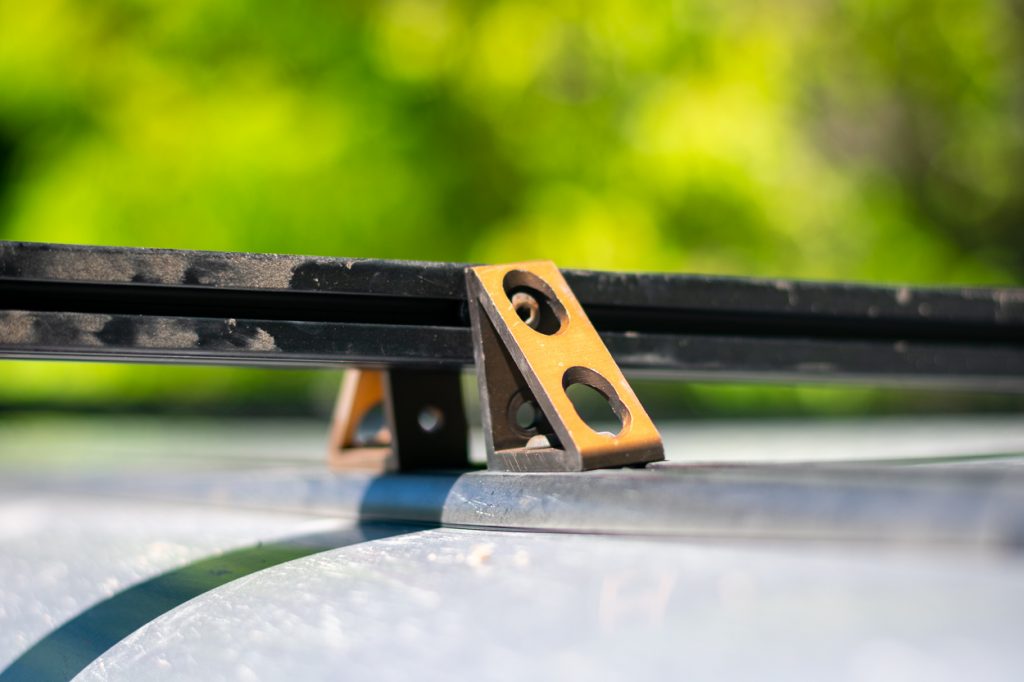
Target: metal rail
978,505
149,305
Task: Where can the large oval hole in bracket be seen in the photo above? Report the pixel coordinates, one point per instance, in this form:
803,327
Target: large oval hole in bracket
595,401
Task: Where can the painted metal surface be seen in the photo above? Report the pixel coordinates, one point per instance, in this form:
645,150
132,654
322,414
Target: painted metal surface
455,604
71,567
250,567
438,604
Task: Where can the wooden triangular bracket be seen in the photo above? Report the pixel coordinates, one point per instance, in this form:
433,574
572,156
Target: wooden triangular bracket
532,341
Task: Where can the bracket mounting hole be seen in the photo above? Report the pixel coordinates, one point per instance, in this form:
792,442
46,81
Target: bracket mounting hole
430,419
534,302
526,416
527,307
595,401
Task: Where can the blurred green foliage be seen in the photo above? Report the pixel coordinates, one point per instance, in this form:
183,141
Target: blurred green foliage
843,139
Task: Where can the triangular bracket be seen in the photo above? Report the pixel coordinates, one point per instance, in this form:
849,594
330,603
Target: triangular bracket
422,425
532,341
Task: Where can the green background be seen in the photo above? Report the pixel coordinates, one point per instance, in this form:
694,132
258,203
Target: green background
878,140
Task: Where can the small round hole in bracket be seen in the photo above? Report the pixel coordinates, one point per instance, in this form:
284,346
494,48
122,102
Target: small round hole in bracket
534,302
430,419
595,400
524,415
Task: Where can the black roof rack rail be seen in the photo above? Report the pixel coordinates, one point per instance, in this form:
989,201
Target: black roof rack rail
155,305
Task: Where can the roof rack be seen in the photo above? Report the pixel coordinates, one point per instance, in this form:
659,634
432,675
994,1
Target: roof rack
195,307
531,329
